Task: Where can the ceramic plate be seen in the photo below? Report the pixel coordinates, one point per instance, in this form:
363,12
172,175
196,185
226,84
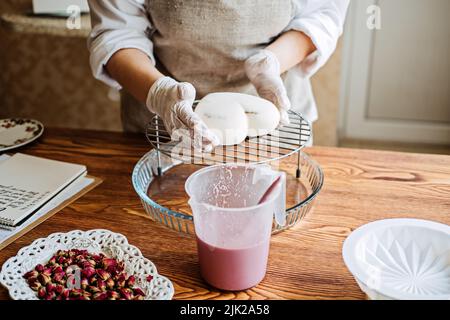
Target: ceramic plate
113,245
404,259
15,133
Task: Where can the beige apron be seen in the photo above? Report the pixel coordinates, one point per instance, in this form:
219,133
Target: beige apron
206,43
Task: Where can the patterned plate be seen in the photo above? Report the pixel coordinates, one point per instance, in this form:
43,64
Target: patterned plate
15,133
113,245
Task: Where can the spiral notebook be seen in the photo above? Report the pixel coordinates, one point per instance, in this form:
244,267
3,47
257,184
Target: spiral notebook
27,183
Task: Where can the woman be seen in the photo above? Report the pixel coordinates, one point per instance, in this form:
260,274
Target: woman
168,53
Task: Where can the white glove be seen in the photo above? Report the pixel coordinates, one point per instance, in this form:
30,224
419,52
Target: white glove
172,102
263,70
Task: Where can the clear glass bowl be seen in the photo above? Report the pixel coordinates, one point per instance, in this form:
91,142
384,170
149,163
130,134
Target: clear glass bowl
145,171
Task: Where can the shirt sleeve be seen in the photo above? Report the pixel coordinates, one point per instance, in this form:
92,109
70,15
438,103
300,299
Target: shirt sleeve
117,24
323,22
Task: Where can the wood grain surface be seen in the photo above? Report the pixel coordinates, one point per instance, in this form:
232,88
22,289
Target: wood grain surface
305,262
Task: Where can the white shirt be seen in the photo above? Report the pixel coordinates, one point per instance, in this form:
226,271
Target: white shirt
119,24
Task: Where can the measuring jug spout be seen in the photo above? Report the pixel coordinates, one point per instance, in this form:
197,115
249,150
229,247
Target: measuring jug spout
269,176
280,202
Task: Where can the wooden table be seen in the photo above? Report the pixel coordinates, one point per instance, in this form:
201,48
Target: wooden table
304,263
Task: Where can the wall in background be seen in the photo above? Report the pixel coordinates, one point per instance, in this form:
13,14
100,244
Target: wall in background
396,79
326,87
48,78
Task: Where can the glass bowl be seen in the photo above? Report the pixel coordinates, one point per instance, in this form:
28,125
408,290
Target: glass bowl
176,214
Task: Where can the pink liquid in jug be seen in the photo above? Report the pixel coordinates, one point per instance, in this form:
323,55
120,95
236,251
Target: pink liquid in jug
233,269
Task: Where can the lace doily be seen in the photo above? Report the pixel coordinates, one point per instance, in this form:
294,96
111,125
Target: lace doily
111,244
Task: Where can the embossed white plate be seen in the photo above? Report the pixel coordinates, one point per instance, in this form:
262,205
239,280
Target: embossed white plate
112,244
400,259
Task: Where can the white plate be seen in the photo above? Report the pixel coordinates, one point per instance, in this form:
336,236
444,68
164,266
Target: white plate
400,259
113,245
15,133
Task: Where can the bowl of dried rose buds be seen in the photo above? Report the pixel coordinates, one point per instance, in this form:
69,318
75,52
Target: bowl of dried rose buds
83,265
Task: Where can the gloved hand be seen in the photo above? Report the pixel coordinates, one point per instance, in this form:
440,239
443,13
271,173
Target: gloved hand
172,102
263,70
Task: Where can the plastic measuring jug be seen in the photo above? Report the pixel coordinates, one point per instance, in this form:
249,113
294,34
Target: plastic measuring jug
232,229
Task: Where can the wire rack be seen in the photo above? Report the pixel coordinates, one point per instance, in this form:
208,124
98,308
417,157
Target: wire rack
282,142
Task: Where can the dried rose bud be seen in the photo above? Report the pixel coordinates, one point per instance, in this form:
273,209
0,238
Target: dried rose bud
47,271
50,296
109,264
92,262
76,293
57,277
65,294
31,274
39,268
84,283
130,281
42,293
59,289
72,253
113,295
34,284
44,279
100,296
88,272
52,261
57,269
93,280
101,285
126,293
110,283
121,280
120,266
104,275
93,289
149,278
138,292
50,287
87,295
139,297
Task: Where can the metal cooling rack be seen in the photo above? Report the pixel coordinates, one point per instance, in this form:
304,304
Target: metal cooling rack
281,143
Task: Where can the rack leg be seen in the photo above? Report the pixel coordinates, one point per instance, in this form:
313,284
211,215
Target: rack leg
299,162
158,154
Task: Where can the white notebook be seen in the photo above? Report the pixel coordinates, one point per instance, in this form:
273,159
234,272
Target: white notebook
27,183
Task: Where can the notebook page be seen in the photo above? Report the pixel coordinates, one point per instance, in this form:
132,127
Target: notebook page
27,182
